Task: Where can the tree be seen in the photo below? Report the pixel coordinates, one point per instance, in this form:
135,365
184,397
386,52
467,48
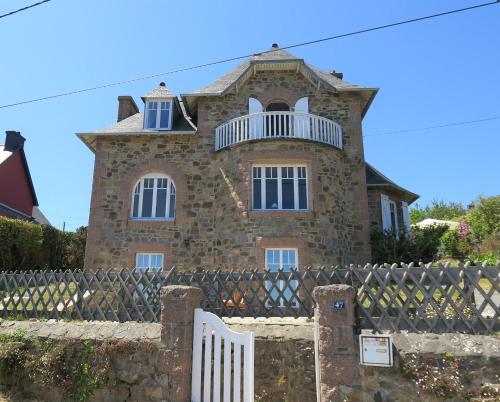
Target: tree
484,217
437,210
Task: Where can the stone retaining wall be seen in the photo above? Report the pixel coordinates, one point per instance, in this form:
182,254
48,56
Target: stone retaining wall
284,361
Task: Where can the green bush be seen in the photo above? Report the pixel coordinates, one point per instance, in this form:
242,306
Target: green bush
455,245
421,244
20,244
26,245
484,218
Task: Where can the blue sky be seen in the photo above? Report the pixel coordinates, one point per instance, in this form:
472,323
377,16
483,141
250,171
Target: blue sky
430,73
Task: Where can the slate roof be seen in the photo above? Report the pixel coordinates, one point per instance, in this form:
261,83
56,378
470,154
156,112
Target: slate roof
159,92
375,178
134,125
271,55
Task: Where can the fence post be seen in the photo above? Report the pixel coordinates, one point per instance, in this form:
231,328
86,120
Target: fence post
337,360
177,319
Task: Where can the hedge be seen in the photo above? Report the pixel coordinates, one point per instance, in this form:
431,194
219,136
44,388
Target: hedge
26,245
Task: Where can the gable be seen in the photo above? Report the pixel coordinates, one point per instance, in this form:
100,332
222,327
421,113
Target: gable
277,59
15,184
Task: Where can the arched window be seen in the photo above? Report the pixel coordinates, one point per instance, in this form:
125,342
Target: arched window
154,198
277,106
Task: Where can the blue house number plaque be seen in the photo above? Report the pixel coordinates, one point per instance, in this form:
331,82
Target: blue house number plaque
338,305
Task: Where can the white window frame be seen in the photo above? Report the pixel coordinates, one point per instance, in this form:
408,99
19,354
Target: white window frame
138,255
281,283
280,189
158,114
170,186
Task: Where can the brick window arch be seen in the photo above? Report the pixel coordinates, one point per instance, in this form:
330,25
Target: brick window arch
153,198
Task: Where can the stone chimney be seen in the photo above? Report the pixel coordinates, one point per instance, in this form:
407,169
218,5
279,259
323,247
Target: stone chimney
13,141
126,107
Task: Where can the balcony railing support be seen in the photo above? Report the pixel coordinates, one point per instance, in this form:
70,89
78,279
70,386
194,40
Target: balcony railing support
273,125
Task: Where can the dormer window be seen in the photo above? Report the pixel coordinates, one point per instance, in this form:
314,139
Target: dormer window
158,115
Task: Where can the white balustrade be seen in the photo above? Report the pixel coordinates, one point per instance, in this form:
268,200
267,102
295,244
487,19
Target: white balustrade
273,125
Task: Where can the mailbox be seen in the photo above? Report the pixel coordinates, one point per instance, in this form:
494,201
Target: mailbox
375,350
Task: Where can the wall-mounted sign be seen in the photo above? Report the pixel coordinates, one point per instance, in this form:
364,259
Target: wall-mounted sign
375,350
338,305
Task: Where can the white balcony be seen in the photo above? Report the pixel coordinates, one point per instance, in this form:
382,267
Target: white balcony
277,125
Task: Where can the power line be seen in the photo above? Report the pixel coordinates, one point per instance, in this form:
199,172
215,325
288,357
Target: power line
459,123
24,8
223,61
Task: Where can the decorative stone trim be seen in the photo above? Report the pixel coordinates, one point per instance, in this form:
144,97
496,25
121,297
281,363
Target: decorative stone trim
138,171
151,247
263,157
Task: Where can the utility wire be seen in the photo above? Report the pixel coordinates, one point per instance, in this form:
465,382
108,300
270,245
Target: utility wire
460,123
24,8
376,28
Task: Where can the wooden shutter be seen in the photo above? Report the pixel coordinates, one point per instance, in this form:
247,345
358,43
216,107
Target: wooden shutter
254,106
406,216
302,123
386,212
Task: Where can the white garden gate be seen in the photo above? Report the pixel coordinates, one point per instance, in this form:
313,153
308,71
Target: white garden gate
220,373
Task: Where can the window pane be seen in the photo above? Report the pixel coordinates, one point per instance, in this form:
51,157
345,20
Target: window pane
161,202
164,118
135,210
151,118
171,208
257,194
289,260
156,261
147,203
142,261
287,196
273,260
302,194
271,193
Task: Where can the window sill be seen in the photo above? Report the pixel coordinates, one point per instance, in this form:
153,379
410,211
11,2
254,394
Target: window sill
285,213
137,222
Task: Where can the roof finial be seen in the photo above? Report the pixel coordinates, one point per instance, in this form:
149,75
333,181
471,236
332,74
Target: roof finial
162,84
275,45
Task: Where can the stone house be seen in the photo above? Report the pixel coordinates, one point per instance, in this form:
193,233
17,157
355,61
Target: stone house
262,168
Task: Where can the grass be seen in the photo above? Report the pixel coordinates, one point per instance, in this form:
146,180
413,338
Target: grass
50,296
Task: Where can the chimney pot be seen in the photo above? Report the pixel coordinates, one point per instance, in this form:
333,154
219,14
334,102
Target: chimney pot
126,107
13,141
336,74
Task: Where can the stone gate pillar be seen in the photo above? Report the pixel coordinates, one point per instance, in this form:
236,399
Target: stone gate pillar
337,360
177,320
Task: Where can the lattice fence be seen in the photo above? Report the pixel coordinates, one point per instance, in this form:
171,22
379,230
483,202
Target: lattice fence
422,298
